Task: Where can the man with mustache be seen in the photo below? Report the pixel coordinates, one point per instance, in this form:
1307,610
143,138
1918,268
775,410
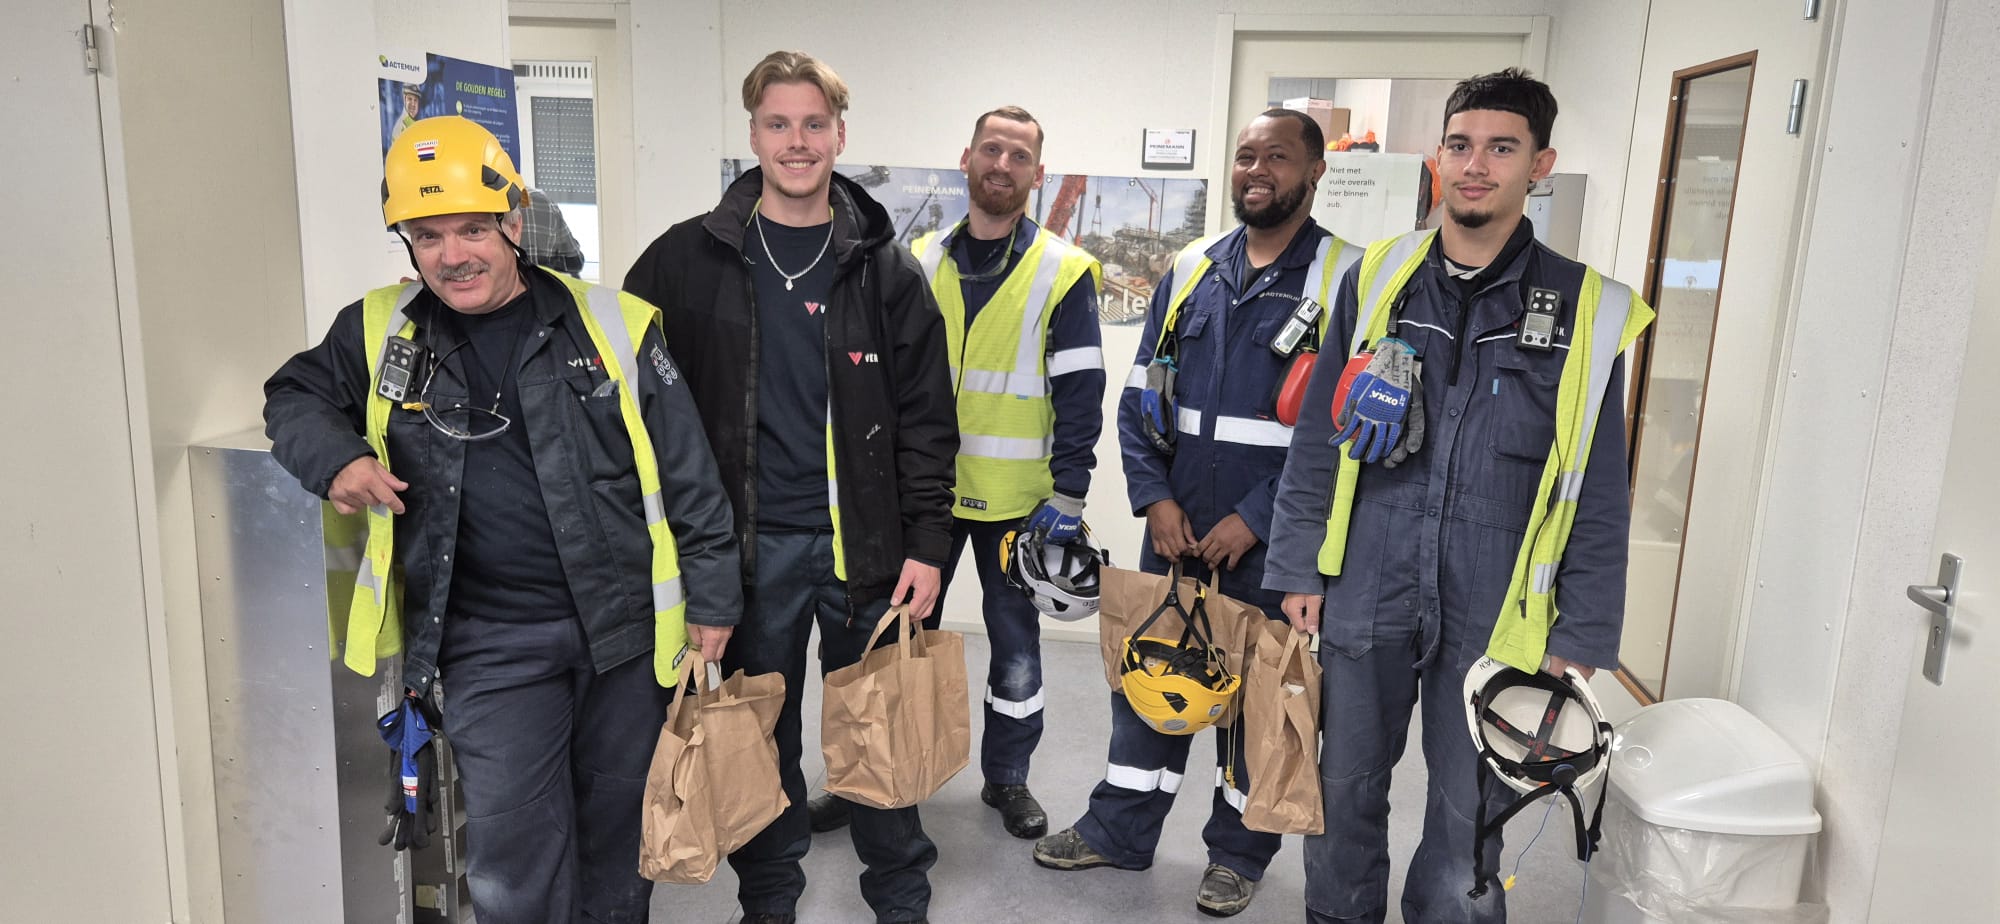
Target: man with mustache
1510,509
816,354
543,511
1216,313
1020,313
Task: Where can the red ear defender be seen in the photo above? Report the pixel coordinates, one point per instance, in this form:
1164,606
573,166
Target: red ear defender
1347,377
1292,388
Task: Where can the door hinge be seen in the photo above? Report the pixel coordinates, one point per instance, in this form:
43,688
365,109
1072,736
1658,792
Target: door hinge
1796,115
89,48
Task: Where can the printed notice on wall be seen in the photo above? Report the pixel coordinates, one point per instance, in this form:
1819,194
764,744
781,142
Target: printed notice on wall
1168,149
417,85
414,85
1132,224
1365,197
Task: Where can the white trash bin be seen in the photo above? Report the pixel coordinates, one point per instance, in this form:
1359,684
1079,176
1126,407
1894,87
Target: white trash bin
1709,820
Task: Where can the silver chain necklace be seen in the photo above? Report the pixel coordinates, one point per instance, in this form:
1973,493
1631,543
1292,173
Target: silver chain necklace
774,260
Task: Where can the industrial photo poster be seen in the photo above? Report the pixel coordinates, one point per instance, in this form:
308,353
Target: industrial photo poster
418,85
1132,224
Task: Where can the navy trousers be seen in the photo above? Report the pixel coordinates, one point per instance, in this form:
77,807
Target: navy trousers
1129,806
795,588
552,759
1368,692
1014,668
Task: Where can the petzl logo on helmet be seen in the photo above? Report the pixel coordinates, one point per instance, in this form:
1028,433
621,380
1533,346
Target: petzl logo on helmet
431,190
427,150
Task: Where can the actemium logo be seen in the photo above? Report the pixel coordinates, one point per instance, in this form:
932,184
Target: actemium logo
394,64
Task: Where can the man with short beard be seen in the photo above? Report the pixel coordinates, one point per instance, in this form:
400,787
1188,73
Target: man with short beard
1020,312
1468,548
1215,314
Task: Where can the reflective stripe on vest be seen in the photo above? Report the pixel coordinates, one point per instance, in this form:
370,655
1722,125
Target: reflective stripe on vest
616,322
833,497
1001,371
375,611
1609,317
1194,259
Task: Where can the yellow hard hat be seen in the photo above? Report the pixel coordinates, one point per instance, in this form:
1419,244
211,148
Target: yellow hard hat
445,165
1176,687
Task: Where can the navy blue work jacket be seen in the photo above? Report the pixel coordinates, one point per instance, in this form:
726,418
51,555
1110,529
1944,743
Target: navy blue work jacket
1434,540
1230,447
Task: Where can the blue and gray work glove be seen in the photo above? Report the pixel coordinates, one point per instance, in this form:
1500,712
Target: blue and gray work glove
412,804
1057,519
1384,414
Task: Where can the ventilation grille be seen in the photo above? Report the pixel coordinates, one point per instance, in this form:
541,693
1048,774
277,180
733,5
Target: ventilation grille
565,139
553,70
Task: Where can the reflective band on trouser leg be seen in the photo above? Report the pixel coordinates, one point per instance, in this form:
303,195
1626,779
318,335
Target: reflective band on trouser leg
1006,417
375,608
1236,798
1608,318
1014,709
1138,780
616,323
1374,294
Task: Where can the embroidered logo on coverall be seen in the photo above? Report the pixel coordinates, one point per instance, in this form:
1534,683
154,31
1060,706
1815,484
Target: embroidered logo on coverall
664,366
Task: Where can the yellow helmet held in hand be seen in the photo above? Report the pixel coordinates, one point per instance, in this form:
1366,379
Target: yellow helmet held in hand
1177,686
445,165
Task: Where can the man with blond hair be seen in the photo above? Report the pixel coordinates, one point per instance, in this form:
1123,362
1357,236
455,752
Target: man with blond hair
817,357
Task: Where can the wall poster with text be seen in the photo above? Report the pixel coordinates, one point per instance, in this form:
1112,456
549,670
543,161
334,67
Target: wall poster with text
418,85
1133,225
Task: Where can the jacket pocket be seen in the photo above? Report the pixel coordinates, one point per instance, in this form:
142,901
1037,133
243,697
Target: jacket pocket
1523,396
605,446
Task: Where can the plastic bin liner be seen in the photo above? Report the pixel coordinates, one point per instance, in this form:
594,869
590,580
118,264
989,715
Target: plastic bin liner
1698,877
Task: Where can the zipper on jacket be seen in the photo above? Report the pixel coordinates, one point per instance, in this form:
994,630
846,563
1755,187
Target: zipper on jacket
832,473
1463,321
747,531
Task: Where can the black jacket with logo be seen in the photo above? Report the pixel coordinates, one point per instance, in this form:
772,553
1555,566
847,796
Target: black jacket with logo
314,414
895,424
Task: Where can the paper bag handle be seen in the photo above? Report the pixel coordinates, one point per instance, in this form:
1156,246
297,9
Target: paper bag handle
908,636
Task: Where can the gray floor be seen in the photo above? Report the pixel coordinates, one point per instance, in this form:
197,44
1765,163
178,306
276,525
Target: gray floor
984,875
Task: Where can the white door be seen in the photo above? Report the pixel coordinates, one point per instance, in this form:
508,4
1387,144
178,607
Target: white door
84,834
1940,853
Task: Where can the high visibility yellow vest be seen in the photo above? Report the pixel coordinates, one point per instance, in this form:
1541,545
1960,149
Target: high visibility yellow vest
616,322
1192,263
1609,317
1000,371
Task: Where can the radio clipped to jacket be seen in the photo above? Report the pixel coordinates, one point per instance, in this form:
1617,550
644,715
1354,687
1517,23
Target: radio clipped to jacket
1298,340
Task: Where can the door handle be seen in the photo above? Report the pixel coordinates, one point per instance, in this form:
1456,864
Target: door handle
1940,599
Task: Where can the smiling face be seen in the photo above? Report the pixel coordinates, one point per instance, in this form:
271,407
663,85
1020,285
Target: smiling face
796,136
1273,175
464,259
1487,162
1002,166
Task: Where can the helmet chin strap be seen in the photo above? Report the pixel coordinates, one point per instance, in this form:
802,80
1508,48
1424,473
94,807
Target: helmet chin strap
520,253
